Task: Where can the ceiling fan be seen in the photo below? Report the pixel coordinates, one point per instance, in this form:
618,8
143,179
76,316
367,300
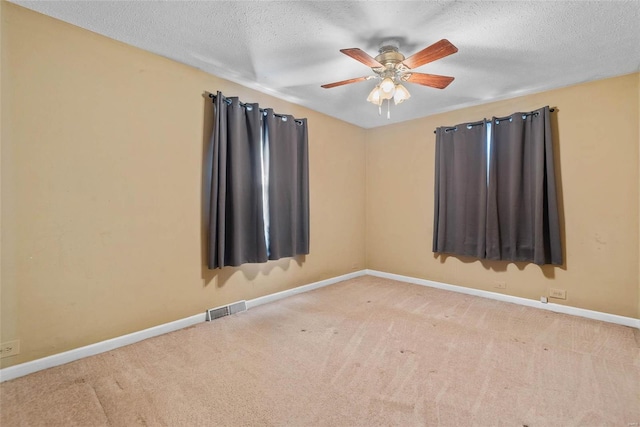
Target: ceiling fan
392,69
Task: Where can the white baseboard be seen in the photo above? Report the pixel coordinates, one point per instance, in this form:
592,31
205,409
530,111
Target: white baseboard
558,308
111,344
306,288
23,369
27,368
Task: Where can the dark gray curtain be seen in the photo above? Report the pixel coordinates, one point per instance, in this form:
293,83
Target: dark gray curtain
288,181
460,208
523,222
257,179
236,225
511,213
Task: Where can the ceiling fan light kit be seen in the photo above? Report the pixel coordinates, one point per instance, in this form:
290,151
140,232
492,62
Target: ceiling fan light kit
401,94
392,69
387,85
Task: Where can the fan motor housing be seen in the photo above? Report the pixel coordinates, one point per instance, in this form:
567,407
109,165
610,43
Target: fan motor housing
389,56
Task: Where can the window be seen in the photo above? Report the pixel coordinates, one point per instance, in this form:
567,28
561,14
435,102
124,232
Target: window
495,191
258,189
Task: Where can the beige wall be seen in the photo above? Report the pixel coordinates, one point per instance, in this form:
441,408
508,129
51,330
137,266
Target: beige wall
597,134
102,146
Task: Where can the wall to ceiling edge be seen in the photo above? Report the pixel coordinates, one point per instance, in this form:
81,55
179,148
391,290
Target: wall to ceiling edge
596,129
102,148
102,152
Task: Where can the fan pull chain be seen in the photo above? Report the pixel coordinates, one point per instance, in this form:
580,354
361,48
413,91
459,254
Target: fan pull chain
388,109
380,109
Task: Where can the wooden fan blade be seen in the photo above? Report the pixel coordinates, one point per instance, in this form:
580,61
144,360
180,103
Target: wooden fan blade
431,80
362,56
429,54
343,82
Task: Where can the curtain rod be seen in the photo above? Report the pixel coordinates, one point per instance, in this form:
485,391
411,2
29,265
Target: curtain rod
262,110
499,118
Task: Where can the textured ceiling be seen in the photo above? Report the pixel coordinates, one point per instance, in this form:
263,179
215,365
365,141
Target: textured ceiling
288,49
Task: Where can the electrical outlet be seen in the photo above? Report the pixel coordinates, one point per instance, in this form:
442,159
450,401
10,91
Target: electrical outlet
500,285
9,348
558,293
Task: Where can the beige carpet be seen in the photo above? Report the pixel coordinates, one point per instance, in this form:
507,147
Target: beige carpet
364,352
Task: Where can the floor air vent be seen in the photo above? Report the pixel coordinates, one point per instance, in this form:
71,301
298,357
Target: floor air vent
218,312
